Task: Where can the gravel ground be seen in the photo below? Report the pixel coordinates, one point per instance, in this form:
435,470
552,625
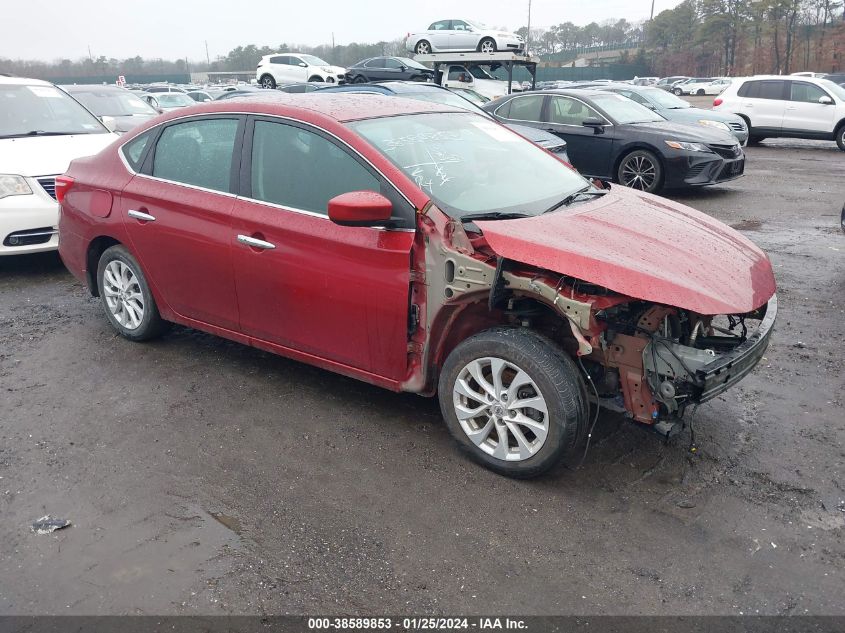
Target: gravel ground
201,476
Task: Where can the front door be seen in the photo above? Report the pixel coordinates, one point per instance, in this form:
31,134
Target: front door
177,215
588,151
804,112
304,283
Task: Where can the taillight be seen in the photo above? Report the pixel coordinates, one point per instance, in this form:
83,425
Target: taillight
63,185
717,101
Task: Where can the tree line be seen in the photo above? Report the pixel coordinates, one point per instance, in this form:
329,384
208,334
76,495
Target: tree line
712,37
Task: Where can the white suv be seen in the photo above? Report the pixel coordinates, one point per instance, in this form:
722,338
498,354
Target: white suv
42,129
795,107
291,68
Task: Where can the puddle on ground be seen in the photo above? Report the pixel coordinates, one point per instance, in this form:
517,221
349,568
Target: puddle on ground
228,521
748,225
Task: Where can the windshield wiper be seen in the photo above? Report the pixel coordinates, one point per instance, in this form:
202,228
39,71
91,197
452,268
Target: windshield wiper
494,215
39,133
572,197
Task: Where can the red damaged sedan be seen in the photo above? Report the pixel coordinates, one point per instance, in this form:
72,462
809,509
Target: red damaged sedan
422,249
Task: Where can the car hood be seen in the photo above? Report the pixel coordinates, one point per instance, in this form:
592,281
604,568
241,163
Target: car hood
540,137
645,247
48,155
676,131
696,114
130,121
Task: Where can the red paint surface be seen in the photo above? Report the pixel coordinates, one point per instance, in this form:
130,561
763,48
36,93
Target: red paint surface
645,247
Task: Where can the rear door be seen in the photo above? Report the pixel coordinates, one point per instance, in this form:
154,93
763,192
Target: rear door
327,291
588,152
462,38
763,101
177,214
804,112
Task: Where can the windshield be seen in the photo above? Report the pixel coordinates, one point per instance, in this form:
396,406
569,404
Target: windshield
34,110
111,102
469,164
835,88
173,99
479,25
410,63
623,110
665,99
314,61
470,95
480,73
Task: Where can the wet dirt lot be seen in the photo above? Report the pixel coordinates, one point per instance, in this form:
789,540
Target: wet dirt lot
201,476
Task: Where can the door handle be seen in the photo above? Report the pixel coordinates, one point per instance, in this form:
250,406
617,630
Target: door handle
255,242
140,215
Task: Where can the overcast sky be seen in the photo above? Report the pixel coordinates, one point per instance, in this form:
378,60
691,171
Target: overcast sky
179,28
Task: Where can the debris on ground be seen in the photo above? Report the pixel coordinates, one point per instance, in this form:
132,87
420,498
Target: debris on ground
48,525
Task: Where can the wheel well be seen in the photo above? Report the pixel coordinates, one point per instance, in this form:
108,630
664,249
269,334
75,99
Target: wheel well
462,321
838,127
634,148
746,119
315,78
270,75
95,250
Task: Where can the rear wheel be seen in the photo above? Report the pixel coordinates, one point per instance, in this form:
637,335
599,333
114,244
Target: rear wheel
422,48
677,92
360,79
840,137
753,139
126,297
267,81
700,92
640,170
513,401
487,45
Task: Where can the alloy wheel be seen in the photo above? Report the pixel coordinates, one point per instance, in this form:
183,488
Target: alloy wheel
639,172
501,409
488,46
123,295
423,48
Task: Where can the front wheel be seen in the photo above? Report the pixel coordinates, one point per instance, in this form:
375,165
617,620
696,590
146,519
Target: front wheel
513,401
487,45
126,297
268,82
700,93
640,170
677,92
840,137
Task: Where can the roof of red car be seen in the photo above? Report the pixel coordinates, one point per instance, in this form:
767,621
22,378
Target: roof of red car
340,106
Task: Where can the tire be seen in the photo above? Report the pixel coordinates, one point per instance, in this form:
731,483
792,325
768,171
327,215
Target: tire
423,48
268,82
840,137
487,45
316,79
700,92
640,170
360,79
126,297
519,442
755,140
677,92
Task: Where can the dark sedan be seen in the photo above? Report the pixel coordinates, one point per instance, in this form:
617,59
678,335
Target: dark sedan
386,69
612,137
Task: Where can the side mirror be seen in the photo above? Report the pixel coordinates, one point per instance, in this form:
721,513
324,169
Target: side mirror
109,122
303,65
360,208
825,100
596,124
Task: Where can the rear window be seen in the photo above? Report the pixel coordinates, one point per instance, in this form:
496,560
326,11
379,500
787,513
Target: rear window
771,89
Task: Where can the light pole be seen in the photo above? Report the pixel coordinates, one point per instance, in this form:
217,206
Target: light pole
528,31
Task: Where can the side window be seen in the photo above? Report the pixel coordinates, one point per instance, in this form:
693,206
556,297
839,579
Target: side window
296,168
390,62
771,90
458,73
633,96
459,25
528,108
504,110
133,151
376,62
567,111
278,59
806,93
197,153
443,25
